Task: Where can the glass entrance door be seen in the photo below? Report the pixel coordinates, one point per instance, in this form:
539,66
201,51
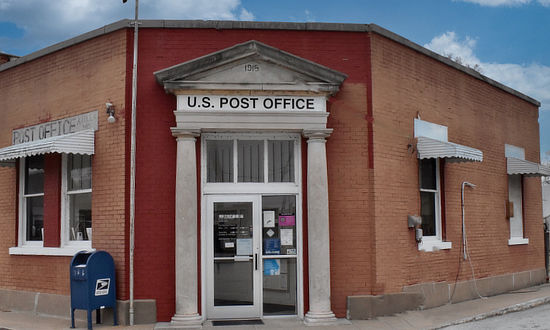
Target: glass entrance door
233,269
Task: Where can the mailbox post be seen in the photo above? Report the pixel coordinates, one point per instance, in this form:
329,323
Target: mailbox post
93,284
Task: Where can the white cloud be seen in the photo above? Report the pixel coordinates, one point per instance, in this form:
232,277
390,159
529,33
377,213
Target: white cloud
531,79
508,3
309,16
45,22
495,3
246,15
448,44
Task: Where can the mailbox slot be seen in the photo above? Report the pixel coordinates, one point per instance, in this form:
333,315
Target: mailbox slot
79,273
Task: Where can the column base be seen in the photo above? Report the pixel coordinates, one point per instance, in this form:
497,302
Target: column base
181,322
320,318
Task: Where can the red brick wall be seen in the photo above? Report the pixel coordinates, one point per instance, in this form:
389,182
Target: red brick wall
52,200
8,223
162,48
477,115
370,191
68,82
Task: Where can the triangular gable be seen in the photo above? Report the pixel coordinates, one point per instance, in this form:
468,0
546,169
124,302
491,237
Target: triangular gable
250,66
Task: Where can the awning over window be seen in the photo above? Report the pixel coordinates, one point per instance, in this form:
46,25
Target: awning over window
525,167
75,143
431,148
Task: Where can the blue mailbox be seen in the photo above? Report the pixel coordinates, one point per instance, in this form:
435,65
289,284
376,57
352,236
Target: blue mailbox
93,284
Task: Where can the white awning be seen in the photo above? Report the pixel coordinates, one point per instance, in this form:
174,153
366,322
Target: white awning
431,148
525,167
75,143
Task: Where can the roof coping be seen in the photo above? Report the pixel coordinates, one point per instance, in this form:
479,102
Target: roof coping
235,25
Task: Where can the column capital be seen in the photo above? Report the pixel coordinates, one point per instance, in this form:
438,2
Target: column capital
317,134
180,133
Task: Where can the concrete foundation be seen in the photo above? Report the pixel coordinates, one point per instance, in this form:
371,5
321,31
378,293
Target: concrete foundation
60,306
434,294
368,307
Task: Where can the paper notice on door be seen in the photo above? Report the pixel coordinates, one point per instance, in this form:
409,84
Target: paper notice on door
272,246
272,267
287,220
269,219
244,246
287,237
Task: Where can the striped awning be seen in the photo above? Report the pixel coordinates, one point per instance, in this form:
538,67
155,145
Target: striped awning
525,167
431,148
75,143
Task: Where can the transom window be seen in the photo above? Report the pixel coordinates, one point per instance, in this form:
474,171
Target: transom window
251,159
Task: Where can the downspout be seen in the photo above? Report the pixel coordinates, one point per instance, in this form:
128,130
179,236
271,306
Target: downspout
133,166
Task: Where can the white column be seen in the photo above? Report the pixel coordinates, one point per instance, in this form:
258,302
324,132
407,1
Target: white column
318,229
186,231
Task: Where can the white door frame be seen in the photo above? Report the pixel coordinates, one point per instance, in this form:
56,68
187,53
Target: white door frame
214,190
239,311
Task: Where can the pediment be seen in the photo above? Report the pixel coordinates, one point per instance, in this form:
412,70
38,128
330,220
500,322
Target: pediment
250,66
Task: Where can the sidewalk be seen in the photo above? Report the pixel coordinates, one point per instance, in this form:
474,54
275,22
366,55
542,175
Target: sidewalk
434,318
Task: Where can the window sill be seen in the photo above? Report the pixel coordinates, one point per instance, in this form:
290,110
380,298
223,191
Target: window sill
67,251
518,241
428,245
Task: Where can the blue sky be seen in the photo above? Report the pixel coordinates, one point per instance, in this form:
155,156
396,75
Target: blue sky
508,39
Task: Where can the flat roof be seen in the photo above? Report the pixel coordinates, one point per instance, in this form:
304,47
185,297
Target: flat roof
237,25
8,55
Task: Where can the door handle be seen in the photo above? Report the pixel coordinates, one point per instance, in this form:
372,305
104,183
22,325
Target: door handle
256,261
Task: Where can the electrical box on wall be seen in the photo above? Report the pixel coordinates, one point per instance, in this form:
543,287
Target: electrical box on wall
414,221
418,234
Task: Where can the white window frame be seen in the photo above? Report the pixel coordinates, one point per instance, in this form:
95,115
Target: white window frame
67,248
517,237
251,187
65,211
435,242
22,241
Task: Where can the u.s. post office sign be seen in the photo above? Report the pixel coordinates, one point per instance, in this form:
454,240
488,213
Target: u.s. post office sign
258,103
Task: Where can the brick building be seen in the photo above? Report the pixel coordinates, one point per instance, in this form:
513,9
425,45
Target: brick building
281,169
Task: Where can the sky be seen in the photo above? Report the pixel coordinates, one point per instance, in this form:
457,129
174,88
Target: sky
507,40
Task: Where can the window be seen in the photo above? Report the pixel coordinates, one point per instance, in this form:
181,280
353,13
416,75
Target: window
429,196
250,159
77,197
279,286
32,201
281,161
515,197
220,160
430,205
38,186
